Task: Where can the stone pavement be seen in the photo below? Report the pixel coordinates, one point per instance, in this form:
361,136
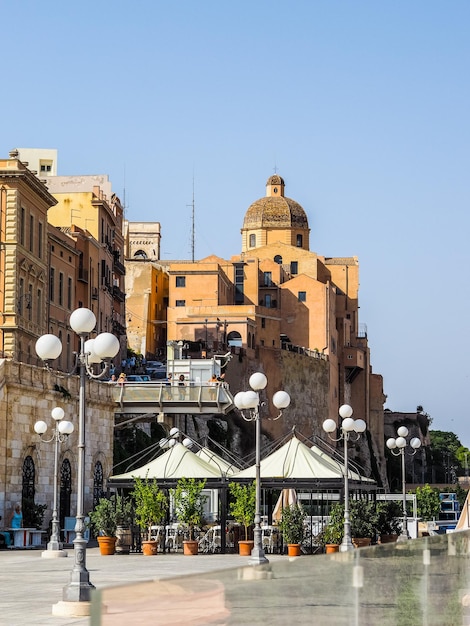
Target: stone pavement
30,584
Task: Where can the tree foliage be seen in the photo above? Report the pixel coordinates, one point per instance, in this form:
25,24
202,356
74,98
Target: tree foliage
243,504
428,503
449,457
189,502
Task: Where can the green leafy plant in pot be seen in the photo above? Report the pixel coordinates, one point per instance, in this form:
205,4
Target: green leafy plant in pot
389,520
242,508
333,531
189,507
292,523
151,505
292,527
363,518
103,520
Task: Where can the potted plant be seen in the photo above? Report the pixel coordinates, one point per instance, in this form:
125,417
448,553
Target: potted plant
363,518
243,508
124,517
189,508
150,508
332,534
389,520
103,522
292,527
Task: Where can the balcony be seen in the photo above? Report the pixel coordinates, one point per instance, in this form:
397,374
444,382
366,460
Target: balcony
83,275
353,362
118,294
118,267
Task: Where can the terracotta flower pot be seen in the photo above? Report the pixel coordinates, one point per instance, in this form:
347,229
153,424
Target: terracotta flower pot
331,547
245,547
107,545
293,549
190,547
149,548
361,542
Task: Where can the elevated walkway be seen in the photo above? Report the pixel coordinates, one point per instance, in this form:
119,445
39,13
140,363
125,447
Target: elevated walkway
159,397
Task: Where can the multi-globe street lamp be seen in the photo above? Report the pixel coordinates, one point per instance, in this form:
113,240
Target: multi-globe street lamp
249,401
349,428
62,429
93,352
397,448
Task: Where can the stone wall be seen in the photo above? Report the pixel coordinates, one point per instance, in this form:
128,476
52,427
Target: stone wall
28,394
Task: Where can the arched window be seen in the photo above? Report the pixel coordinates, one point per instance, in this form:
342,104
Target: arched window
140,254
299,241
97,483
29,477
65,491
234,338
252,241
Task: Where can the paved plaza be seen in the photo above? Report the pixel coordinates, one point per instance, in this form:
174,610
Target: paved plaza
30,584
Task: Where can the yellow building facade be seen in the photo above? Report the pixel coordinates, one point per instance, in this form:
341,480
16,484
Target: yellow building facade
146,304
24,268
93,216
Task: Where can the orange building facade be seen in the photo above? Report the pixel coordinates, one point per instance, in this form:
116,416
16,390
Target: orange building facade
278,295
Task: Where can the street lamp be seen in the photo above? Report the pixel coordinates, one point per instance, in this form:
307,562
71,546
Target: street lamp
250,401
397,448
102,348
349,428
62,429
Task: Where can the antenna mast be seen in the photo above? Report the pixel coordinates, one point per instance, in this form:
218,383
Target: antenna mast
193,243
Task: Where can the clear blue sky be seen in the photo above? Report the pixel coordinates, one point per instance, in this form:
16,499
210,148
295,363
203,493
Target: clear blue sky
362,106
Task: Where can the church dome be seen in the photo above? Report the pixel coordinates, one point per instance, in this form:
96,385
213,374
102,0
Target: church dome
275,210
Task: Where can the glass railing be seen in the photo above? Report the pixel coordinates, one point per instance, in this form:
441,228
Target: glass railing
163,395
420,582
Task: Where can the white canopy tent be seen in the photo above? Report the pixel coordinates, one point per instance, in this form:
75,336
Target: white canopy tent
297,461
177,462
464,519
217,461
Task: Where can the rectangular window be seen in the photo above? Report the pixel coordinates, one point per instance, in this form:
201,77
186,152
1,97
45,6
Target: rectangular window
69,293
239,284
61,288
31,233
22,225
181,281
299,241
268,279
180,303
20,297
51,284
263,322
39,310
40,240
29,303
302,296
267,300
294,267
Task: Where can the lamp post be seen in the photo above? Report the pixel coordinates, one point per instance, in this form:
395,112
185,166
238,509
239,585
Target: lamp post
349,428
102,348
397,448
62,429
250,401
